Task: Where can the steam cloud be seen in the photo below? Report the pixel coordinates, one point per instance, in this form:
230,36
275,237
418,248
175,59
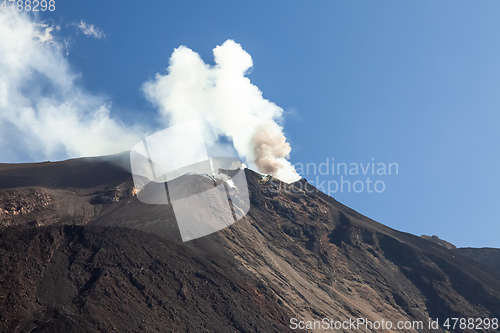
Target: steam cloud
224,100
45,113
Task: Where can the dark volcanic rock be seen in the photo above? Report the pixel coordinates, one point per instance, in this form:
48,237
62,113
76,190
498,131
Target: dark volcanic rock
439,241
487,256
298,253
81,279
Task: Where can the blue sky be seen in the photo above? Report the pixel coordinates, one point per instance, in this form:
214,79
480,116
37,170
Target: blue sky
409,82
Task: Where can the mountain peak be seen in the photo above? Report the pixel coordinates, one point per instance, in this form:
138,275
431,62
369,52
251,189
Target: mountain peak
439,241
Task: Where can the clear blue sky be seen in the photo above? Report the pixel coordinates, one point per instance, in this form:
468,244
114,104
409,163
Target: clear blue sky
411,82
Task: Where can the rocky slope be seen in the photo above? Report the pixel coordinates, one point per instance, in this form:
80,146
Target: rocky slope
297,254
487,256
71,191
439,241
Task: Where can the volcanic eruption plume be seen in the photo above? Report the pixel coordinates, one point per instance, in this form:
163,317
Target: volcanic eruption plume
45,112
226,103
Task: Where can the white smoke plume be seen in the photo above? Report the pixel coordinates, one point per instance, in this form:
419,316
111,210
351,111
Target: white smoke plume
227,104
44,113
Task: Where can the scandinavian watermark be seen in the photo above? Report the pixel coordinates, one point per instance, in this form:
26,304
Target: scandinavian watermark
332,177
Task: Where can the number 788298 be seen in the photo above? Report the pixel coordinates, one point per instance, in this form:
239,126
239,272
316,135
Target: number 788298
29,5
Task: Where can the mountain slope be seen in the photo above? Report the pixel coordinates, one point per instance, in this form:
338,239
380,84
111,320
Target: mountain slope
297,254
439,241
487,256
82,279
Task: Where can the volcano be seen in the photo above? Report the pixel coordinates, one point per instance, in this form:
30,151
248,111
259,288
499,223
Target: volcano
80,253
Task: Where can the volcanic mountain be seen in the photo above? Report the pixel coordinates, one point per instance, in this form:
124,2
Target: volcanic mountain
486,255
80,253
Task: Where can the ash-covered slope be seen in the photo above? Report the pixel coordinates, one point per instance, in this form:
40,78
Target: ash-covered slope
439,241
81,279
297,254
487,256
72,191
